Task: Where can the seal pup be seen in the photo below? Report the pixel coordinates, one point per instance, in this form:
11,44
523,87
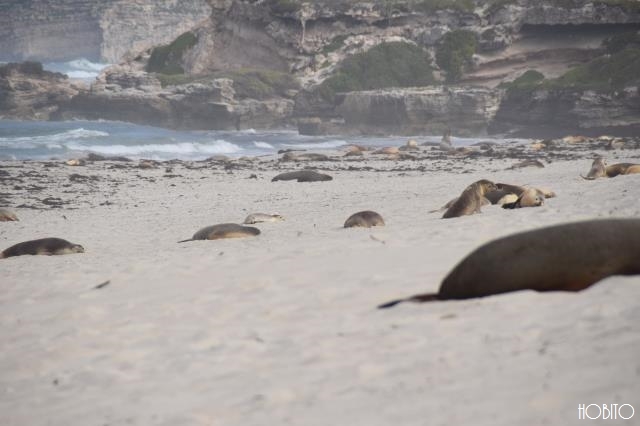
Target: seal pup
471,199
364,219
45,246
530,197
302,176
223,230
8,216
262,217
568,257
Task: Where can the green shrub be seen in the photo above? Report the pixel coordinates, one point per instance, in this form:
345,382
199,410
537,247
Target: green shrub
259,83
454,53
527,80
336,43
430,6
168,59
396,64
606,73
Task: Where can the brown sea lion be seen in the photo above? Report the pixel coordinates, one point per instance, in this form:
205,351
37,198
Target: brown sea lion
7,216
364,219
45,246
568,257
389,150
622,169
262,217
302,176
527,163
530,197
598,169
224,230
470,200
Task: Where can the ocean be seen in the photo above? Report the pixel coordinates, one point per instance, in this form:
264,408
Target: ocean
44,140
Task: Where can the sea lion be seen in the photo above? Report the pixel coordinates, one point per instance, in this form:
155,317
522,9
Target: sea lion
45,246
470,200
388,150
76,162
527,163
568,257
445,142
499,196
530,197
364,219
411,145
599,168
224,230
310,156
7,216
302,176
262,217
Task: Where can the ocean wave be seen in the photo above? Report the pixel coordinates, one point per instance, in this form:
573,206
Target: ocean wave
264,145
316,145
161,150
29,142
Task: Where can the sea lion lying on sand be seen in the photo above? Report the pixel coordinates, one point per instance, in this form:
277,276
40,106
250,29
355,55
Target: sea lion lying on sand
568,257
45,246
262,217
364,219
223,230
599,169
471,199
302,176
530,197
8,216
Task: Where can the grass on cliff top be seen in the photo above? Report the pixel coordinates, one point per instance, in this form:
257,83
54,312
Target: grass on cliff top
626,5
395,64
247,82
168,59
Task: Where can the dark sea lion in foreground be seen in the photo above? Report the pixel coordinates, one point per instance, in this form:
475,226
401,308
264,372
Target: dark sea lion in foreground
8,216
599,168
45,246
224,230
364,219
569,257
471,199
302,176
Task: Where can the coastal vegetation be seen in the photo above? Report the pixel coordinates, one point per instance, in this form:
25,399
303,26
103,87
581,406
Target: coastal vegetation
247,82
167,59
454,53
394,64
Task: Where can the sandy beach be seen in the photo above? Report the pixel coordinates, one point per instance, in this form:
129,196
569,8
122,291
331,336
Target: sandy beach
283,328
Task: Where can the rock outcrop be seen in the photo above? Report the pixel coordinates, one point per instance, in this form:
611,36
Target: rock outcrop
207,104
28,92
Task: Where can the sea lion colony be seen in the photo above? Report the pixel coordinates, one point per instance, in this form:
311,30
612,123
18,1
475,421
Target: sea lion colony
553,259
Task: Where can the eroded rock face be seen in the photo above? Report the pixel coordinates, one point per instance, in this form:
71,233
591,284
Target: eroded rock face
553,113
61,30
27,92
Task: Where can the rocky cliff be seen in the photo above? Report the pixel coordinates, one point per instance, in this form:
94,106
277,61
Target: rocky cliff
472,46
60,30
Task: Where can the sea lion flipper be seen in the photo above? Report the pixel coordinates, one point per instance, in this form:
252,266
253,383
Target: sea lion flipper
510,205
587,178
184,241
418,298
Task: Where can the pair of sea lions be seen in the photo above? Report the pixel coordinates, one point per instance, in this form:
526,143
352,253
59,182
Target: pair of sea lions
599,168
471,199
44,246
569,257
302,176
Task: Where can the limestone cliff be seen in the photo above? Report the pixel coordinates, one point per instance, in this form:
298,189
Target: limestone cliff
60,30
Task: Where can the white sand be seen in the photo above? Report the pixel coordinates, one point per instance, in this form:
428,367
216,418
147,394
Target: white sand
282,328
